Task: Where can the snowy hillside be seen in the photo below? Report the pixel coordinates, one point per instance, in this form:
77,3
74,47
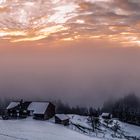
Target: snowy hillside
126,131
29,129
131,130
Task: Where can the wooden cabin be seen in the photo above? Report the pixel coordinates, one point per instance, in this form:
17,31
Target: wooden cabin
17,110
106,115
41,110
62,119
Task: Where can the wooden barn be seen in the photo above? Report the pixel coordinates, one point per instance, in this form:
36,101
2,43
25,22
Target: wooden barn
106,115
16,110
62,119
41,110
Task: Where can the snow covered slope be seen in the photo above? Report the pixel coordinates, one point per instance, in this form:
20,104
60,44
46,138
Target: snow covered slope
106,132
28,129
131,130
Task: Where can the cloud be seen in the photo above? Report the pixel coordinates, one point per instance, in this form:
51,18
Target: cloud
113,20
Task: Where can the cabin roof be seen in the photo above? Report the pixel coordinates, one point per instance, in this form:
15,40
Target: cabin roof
38,107
105,114
12,105
62,116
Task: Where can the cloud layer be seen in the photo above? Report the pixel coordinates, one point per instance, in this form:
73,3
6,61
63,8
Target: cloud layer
68,20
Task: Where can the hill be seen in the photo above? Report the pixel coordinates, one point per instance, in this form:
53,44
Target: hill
29,129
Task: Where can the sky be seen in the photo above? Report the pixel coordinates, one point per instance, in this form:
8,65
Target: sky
80,51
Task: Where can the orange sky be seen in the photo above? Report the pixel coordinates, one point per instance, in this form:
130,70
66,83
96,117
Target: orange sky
44,21
56,48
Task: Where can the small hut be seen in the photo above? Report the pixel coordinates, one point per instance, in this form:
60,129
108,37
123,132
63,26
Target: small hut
62,119
41,110
106,115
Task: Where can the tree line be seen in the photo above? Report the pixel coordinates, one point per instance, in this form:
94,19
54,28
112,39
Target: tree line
126,109
64,108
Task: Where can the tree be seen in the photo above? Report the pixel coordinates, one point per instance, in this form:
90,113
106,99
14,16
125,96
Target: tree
94,118
116,127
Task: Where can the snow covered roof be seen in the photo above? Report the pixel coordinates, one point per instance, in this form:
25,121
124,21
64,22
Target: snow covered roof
12,105
38,107
62,116
105,114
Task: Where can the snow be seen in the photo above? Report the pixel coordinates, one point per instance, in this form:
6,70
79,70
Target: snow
62,116
105,114
80,120
38,107
104,133
12,105
29,129
131,130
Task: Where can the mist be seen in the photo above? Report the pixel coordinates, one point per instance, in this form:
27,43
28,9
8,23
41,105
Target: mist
84,75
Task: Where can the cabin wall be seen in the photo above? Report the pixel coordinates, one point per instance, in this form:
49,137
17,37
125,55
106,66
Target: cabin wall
107,117
38,116
17,113
63,122
57,120
50,112
12,113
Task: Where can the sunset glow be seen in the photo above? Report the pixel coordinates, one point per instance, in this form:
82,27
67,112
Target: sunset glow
69,20
80,51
